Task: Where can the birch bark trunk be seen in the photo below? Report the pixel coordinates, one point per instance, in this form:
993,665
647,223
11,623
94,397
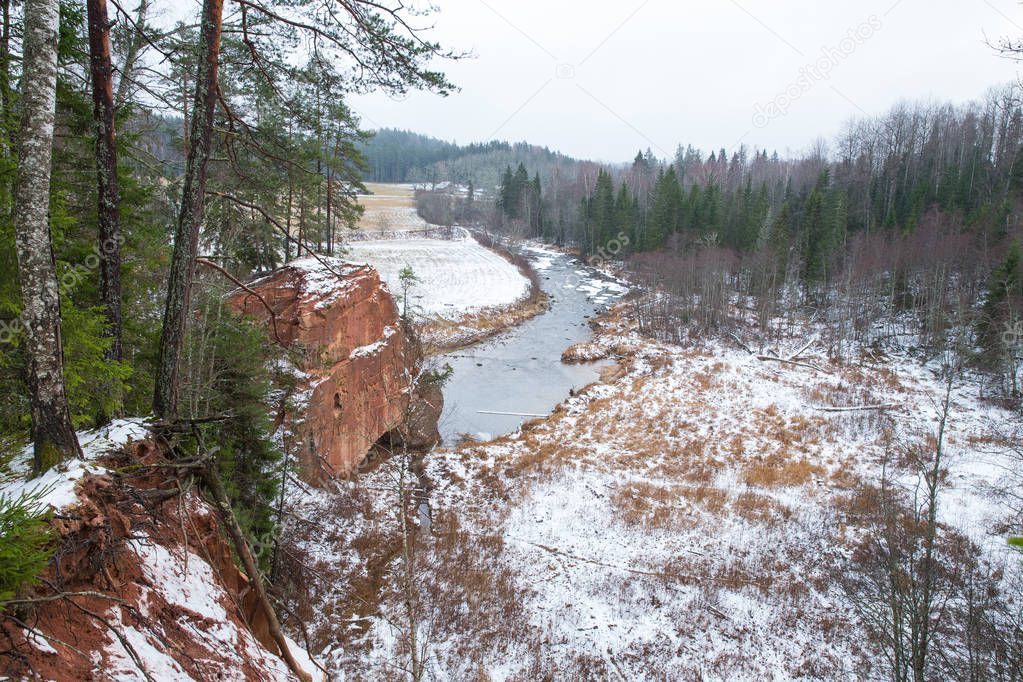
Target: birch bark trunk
53,436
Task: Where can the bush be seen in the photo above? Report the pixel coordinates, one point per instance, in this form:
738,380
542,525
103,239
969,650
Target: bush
25,542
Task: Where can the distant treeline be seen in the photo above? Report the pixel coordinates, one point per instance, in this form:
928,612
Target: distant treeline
906,227
402,156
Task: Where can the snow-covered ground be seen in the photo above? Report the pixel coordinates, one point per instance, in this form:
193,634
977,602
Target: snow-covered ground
177,580
693,518
56,488
456,276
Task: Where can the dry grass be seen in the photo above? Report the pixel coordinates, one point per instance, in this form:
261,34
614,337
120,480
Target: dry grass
757,508
778,470
443,335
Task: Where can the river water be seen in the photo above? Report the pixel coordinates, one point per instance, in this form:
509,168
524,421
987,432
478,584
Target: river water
520,371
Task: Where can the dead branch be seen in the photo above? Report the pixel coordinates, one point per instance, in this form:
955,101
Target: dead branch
794,363
129,649
801,350
858,408
241,285
223,506
62,595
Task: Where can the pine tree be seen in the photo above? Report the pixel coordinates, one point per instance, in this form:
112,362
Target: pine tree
602,212
665,211
816,235
1004,300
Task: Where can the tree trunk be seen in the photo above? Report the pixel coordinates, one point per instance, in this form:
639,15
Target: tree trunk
186,237
6,96
212,480
106,171
53,436
330,221
132,55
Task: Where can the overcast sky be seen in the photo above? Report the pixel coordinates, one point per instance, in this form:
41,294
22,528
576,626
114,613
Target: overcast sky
603,79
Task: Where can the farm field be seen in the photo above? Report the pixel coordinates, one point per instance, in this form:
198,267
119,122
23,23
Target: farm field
463,291
455,276
390,208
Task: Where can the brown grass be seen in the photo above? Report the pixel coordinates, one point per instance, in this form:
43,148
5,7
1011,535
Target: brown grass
777,470
649,505
756,508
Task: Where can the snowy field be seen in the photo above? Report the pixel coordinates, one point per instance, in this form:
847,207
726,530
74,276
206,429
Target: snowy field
457,276
390,208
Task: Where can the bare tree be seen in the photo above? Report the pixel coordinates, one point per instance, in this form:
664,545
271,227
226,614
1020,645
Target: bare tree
53,436
898,580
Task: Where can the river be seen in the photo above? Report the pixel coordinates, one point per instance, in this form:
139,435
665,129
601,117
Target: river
519,372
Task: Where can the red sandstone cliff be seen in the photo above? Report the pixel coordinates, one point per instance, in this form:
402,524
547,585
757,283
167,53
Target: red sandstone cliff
142,580
356,364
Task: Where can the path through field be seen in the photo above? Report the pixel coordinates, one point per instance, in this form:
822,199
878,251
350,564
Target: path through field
389,208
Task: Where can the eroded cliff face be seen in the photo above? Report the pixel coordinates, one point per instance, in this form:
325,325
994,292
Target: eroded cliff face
142,585
356,364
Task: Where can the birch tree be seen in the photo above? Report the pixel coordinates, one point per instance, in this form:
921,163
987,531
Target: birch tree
53,436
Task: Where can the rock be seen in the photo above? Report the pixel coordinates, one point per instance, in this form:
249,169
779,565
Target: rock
421,430
357,360
156,569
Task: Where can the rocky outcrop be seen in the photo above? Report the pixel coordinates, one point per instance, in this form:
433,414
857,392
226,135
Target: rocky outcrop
356,363
142,586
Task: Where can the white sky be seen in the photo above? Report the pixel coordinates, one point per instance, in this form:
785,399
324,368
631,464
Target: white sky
601,80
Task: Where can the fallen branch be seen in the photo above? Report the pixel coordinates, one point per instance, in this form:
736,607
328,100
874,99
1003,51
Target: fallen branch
795,363
62,595
858,408
125,644
801,350
741,344
790,360
223,505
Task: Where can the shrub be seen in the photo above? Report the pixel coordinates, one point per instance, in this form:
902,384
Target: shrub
25,547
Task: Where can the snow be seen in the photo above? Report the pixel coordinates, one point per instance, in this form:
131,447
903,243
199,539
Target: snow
372,348
456,276
325,278
56,487
186,580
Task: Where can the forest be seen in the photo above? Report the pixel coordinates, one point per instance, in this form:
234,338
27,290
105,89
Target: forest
906,229
406,157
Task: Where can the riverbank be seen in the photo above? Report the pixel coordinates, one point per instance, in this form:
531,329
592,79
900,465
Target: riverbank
440,335
694,513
